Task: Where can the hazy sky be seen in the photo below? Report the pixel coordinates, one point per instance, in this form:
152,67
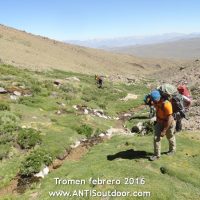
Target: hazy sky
88,19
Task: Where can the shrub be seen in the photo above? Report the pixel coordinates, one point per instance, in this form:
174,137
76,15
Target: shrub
8,122
35,162
28,138
4,106
85,130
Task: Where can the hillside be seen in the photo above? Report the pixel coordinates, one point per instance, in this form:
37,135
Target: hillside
36,52
182,49
82,132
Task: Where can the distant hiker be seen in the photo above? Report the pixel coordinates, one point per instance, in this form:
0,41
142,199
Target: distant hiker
99,81
165,125
149,102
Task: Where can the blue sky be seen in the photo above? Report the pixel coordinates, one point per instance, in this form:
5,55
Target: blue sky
88,19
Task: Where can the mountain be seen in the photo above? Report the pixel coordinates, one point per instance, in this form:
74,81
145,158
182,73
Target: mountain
132,40
181,49
23,49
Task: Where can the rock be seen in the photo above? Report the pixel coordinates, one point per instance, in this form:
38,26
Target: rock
112,131
77,143
17,93
58,82
98,111
86,112
83,140
58,112
42,173
63,104
127,115
75,107
102,135
13,97
73,79
135,129
129,96
138,128
2,90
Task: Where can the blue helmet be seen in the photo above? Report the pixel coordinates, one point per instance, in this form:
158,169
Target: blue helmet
155,95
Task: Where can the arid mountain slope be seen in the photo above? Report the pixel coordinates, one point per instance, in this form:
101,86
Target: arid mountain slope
182,49
36,52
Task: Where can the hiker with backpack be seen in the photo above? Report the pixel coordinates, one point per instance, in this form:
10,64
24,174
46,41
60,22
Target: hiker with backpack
187,100
99,81
165,124
169,92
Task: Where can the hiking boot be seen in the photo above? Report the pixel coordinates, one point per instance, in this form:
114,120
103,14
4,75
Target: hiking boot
170,153
152,158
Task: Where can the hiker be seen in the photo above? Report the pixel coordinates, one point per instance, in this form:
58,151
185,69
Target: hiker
149,102
187,100
165,125
99,81
169,92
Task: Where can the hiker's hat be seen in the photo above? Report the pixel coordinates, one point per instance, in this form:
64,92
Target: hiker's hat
155,95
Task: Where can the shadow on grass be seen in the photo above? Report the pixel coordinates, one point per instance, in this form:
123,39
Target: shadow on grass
130,154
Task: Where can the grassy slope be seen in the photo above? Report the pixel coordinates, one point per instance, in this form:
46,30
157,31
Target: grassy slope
39,111
180,182
58,131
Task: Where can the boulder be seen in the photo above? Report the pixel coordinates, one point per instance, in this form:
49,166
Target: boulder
17,93
2,90
58,82
42,173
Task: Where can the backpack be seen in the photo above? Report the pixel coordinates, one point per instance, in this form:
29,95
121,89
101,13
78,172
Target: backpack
182,89
178,106
169,92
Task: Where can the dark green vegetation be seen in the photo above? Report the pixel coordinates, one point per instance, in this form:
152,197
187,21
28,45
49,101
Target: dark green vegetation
28,138
41,124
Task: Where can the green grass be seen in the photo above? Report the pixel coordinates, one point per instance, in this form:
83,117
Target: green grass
59,131
180,182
